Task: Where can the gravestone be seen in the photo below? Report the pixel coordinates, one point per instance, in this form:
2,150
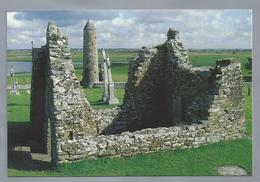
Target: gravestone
232,171
14,85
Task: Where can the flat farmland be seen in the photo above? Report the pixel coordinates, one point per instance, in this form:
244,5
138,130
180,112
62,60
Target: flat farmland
120,60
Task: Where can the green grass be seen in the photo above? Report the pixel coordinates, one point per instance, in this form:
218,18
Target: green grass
248,111
119,72
115,56
202,161
94,96
21,78
187,162
119,61
18,107
19,55
209,59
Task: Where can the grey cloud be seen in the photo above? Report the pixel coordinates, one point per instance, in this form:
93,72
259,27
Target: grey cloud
65,18
199,29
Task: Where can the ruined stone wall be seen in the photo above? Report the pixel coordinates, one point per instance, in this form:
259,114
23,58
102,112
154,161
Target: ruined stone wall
211,101
38,101
161,84
164,89
146,88
171,103
145,140
70,114
189,86
226,112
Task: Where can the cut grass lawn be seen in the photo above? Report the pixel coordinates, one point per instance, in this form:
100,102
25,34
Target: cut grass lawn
94,96
119,74
202,161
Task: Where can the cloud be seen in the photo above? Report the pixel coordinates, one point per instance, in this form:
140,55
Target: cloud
135,28
13,22
121,21
65,18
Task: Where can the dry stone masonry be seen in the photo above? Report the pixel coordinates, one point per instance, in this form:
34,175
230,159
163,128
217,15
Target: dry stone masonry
168,104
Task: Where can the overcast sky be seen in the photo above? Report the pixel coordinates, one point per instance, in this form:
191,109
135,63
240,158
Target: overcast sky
135,28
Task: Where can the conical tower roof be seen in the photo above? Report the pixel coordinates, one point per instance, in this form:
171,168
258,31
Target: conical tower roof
90,25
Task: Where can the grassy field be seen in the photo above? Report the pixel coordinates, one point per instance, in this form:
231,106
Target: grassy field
77,56
119,61
187,162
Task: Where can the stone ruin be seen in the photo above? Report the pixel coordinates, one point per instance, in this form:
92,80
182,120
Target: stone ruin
168,104
90,74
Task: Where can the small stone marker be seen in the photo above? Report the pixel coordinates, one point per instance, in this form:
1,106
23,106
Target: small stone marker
28,90
231,171
14,85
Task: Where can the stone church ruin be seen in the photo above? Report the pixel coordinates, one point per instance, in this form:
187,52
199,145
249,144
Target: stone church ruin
168,103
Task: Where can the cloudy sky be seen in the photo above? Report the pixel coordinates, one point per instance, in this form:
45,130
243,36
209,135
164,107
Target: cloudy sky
135,28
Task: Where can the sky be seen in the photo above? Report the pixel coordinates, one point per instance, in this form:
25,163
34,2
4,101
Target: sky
199,29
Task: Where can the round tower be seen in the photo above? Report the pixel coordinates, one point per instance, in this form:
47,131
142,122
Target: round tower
90,56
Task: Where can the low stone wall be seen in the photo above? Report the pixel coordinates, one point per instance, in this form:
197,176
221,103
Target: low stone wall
144,141
107,117
116,84
70,114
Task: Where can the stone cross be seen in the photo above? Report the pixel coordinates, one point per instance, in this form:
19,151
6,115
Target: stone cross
14,90
105,78
109,87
